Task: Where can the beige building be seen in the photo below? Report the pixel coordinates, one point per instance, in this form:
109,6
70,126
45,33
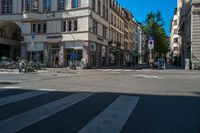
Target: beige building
88,33
175,40
189,28
73,30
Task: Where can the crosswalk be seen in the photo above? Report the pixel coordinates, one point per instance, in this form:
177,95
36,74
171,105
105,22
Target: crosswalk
28,111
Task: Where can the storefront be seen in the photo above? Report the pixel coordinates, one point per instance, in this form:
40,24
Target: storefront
35,51
73,53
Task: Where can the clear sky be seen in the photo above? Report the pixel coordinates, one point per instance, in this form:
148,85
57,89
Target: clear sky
140,9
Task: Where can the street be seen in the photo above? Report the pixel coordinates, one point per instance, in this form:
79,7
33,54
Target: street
100,101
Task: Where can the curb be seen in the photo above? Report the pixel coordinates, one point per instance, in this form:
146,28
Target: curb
9,82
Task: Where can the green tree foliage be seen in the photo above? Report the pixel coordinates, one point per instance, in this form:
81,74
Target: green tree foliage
154,26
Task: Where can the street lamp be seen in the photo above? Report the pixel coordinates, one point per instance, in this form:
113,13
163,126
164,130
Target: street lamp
32,43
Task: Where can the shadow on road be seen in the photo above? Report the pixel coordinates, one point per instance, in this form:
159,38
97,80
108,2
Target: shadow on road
153,113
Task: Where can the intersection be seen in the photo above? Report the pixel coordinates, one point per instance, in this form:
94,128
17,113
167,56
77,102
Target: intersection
151,101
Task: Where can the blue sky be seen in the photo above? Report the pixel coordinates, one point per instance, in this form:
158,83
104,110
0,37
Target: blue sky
140,9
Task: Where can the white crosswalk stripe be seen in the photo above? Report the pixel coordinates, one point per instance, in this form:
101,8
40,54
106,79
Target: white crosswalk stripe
113,118
15,123
19,97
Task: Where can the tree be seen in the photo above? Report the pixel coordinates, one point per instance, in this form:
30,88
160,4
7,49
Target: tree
154,26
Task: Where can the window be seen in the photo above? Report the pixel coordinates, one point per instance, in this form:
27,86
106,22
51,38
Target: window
30,5
175,40
6,7
75,25
33,28
104,12
47,5
94,5
94,27
64,26
104,31
70,25
44,28
175,22
175,31
99,7
75,3
27,5
61,5
39,28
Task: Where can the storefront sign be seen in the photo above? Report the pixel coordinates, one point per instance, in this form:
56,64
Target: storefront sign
54,37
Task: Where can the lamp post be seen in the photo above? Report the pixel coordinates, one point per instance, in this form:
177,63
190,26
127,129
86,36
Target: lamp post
32,43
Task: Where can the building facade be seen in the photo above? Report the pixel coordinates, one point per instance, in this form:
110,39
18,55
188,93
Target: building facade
189,28
175,45
89,33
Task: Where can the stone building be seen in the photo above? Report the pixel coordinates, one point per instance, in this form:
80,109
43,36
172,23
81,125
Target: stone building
189,29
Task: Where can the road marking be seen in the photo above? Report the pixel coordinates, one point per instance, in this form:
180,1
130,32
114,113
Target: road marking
10,87
20,97
117,70
18,122
106,70
43,89
127,70
113,118
148,77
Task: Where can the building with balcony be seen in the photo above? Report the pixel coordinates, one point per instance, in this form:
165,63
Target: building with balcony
189,29
117,34
175,40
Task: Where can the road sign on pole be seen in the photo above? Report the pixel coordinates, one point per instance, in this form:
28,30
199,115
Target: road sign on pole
151,43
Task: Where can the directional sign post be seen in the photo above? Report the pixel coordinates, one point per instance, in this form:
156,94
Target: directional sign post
151,47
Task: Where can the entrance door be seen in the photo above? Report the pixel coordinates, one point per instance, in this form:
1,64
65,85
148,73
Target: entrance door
53,51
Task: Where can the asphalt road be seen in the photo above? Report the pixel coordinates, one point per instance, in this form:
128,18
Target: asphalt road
101,101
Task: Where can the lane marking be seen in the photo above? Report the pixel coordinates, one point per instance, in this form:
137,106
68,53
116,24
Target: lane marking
18,122
113,118
20,97
106,70
11,87
127,70
117,70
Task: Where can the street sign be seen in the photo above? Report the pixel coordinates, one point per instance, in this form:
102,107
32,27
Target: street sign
150,43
